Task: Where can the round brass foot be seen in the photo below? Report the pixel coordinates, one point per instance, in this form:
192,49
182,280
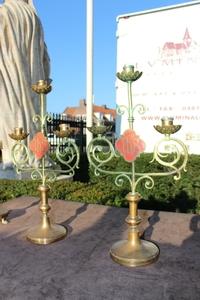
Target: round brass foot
129,255
43,236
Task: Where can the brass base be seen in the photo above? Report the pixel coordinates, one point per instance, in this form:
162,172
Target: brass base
44,236
127,254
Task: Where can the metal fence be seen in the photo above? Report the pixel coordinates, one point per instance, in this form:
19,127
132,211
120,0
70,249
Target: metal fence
77,125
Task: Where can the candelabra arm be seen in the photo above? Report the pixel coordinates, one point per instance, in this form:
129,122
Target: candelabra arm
134,178
20,155
94,151
157,155
70,156
122,109
174,166
98,157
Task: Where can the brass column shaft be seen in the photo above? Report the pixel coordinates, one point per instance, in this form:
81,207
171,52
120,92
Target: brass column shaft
133,209
46,232
133,236
133,220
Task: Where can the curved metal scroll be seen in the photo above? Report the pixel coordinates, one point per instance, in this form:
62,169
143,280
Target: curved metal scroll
69,156
101,151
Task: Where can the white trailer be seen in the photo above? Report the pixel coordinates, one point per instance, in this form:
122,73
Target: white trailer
165,45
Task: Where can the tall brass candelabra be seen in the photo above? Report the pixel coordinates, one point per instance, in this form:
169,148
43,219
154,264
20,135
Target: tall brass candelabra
35,160
135,251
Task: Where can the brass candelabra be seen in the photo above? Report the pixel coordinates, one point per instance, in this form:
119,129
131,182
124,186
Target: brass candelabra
35,160
169,152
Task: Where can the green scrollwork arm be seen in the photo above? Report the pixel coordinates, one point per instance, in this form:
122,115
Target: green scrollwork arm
69,156
20,155
100,151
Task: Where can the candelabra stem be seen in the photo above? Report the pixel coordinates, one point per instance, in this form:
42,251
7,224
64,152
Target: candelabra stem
45,232
133,220
43,171
130,105
134,251
133,177
43,112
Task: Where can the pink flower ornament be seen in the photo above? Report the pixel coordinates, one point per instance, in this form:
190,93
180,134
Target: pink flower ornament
39,145
130,145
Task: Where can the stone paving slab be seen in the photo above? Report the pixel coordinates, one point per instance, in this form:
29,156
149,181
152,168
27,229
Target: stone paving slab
79,267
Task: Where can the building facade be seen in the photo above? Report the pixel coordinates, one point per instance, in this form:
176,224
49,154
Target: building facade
101,114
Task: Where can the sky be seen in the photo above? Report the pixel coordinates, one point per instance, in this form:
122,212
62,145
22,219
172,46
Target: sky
64,25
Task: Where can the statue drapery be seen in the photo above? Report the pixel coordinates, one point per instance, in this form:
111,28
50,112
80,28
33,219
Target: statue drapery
23,61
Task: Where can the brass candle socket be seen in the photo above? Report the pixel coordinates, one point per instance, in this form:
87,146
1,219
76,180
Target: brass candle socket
167,126
134,251
167,121
42,86
18,134
64,131
129,74
64,127
46,232
18,130
99,130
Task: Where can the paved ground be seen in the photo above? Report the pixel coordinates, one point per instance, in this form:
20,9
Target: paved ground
79,267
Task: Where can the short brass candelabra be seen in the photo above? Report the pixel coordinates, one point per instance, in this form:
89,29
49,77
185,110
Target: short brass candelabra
169,152
35,160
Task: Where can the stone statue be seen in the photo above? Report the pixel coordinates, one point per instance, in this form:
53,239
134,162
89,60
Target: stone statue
23,61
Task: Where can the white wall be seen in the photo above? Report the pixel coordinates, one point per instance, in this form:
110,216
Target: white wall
170,84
